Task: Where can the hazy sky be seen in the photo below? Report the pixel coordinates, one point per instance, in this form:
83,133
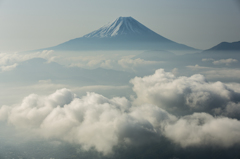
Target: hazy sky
33,24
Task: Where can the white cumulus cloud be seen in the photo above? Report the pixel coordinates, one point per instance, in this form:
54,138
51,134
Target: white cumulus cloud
181,95
91,121
201,129
94,121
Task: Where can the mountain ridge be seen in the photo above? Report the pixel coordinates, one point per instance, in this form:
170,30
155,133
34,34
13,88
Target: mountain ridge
125,33
224,46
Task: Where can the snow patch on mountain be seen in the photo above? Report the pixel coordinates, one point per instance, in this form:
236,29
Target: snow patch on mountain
121,26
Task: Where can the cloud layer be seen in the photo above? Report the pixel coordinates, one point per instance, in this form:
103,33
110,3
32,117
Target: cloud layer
201,129
221,61
9,61
124,64
94,121
184,95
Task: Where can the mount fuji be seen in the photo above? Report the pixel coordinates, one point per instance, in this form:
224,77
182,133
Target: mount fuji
125,33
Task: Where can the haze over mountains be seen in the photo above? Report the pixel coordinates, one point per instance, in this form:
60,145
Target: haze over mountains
143,101
125,33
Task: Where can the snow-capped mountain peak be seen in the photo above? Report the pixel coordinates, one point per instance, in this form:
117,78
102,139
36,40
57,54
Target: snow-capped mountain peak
125,33
121,26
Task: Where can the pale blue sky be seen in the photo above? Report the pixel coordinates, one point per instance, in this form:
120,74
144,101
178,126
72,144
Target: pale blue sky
33,24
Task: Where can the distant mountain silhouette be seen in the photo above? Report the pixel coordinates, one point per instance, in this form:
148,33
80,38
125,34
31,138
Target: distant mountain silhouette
125,33
225,46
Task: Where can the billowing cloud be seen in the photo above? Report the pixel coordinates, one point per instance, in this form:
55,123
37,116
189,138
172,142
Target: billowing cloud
214,73
201,129
183,95
94,121
231,110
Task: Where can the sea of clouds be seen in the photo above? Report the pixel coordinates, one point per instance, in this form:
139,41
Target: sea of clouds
189,111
